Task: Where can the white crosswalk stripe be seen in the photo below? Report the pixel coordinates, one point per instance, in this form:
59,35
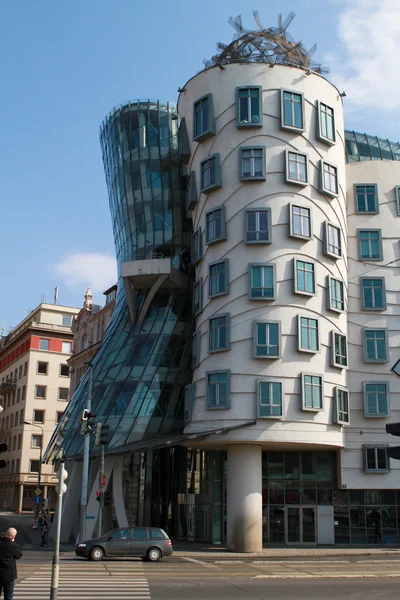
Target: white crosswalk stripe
88,581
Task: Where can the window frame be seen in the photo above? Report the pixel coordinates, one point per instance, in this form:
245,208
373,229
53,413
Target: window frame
320,136
62,347
337,406
369,415
287,175
365,460
325,190
225,291
36,435
334,356
198,286
362,298
189,395
244,124
376,199
196,348
368,258
255,344
303,394
217,179
250,270
63,399
292,127
364,345
292,233
296,289
48,344
397,192
329,297
227,346
197,246
326,250
42,362
64,365
44,397
247,211
34,460
66,316
259,383
228,389
223,236
261,177
209,131
299,336
35,410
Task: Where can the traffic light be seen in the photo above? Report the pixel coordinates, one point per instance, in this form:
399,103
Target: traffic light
61,486
107,498
101,434
3,448
98,495
87,421
393,429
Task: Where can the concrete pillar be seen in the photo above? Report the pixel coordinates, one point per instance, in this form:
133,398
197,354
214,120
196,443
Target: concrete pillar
244,500
20,496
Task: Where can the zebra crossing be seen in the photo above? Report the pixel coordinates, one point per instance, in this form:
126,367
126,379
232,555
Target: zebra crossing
116,580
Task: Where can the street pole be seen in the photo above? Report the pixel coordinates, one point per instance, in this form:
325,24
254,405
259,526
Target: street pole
36,507
85,467
101,488
55,570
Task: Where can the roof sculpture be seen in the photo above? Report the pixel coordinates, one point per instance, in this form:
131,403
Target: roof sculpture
273,46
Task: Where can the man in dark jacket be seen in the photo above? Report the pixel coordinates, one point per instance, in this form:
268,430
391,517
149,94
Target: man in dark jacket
9,552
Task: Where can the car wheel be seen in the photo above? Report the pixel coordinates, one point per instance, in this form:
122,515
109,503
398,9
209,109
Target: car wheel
153,555
96,553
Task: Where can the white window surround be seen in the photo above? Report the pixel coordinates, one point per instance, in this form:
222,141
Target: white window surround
316,382
271,406
310,327
373,393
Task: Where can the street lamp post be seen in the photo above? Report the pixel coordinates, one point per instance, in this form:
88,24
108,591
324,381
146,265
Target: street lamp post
40,461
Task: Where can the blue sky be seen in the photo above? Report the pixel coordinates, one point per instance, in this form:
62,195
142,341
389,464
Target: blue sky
66,63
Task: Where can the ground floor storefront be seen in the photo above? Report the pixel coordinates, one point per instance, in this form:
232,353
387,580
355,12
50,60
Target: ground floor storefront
184,491
22,497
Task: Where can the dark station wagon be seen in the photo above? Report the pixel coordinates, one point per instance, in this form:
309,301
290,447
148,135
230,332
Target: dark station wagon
149,543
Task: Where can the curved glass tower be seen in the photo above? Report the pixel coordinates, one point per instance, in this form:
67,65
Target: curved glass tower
143,364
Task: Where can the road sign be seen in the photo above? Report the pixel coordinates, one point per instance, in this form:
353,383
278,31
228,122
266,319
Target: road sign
38,491
103,480
396,368
37,500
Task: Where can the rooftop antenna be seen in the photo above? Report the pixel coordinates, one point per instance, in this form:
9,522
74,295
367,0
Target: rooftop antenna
55,295
42,299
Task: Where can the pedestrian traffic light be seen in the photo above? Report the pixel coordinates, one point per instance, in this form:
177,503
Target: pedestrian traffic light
3,448
87,421
101,434
107,498
61,486
393,429
98,495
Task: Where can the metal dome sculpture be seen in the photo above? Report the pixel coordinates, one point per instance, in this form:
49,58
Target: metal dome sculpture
273,46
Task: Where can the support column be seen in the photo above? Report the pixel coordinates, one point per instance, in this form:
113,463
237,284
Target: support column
21,494
244,498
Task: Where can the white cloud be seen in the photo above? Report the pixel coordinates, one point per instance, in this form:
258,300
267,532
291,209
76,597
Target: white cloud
83,269
366,65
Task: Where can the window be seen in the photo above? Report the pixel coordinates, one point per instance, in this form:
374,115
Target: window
366,198
16,419
332,241
63,393
292,111
369,244
312,391
192,196
215,225
397,190
58,416
308,339
339,350
20,372
375,345
376,459
66,347
197,246
376,398
40,392
269,398
188,402
18,394
304,277
42,368
34,466
218,333
198,297
43,345
138,534
23,393
218,389
335,297
257,226
110,297
261,282
66,320
249,106
296,167
156,534
300,222
373,293
203,119
25,367
342,416
329,182
326,123
210,174
266,338
64,371
196,349
36,441
38,416
252,163
218,278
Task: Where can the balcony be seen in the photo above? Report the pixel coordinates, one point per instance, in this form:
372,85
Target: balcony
143,274
8,386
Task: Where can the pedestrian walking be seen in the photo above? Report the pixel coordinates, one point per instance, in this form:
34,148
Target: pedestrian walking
9,553
44,531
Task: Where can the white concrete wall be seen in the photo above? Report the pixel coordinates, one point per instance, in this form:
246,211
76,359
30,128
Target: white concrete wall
296,425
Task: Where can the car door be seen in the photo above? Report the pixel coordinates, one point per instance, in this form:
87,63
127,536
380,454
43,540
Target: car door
139,543
118,543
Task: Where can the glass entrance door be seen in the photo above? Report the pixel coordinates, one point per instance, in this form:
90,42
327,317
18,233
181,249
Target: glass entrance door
300,524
